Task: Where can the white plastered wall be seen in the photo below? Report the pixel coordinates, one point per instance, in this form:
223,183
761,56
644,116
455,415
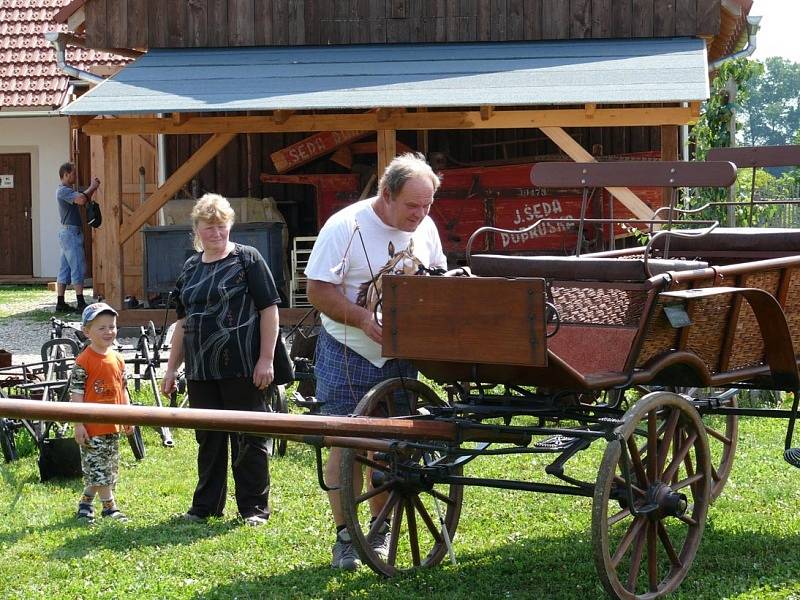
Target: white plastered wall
47,140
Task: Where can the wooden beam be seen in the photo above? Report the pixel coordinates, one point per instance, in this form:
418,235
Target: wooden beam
176,181
109,234
77,122
579,154
669,151
281,116
590,109
500,119
387,149
486,112
179,118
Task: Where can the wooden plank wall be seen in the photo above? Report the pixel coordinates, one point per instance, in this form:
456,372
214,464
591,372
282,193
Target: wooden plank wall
221,23
136,152
235,171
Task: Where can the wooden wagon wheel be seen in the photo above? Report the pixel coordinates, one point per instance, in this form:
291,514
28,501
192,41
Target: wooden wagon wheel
646,552
423,515
723,434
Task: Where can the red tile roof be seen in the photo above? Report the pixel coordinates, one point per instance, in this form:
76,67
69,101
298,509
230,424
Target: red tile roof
29,77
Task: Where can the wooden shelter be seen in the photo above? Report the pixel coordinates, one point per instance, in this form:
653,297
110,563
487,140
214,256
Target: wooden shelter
387,69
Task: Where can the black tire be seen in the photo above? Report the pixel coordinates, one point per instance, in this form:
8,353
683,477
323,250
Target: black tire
7,442
137,443
277,403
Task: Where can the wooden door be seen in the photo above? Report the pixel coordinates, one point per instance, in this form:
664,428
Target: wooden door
16,252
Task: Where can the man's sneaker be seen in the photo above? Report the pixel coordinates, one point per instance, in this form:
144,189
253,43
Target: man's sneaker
379,541
344,554
114,513
255,520
80,306
63,307
85,513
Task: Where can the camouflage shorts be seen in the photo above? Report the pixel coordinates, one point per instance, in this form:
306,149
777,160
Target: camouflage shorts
100,460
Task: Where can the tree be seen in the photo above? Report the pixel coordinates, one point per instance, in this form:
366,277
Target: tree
712,128
772,110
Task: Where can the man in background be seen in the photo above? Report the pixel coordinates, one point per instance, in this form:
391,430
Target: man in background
70,237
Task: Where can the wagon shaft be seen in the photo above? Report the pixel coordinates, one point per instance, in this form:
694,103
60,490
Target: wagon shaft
275,424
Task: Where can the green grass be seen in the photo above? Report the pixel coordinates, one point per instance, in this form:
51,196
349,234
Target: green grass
12,297
508,544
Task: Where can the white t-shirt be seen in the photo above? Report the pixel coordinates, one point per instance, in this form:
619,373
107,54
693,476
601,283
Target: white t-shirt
338,257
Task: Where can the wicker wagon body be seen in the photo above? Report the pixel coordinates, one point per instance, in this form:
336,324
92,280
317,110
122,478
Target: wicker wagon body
614,327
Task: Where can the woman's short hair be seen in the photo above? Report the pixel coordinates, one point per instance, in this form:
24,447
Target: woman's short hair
211,208
405,167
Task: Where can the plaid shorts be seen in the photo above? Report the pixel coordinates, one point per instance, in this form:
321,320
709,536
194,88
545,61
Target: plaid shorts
100,460
344,376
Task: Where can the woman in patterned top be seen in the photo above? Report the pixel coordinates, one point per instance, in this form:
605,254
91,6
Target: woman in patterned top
227,307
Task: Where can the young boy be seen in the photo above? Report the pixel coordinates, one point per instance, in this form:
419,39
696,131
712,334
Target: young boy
99,376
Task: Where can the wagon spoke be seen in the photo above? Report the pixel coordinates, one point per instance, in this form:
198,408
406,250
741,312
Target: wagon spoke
663,535
374,491
368,462
616,518
652,557
718,435
679,456
625,542
652,441
636,460
691,480
636,559
666,442
397,520
688,520
440,496
636,489
412,533
381,516
426,517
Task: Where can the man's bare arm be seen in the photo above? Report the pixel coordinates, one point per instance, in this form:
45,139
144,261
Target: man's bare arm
327,299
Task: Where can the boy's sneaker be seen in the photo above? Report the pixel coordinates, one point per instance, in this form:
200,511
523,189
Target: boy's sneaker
379,542
344,554
114,513
85,513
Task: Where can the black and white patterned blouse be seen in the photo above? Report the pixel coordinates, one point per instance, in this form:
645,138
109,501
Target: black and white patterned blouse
220,302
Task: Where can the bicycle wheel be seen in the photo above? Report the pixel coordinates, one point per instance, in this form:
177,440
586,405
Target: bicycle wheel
8,444
136,443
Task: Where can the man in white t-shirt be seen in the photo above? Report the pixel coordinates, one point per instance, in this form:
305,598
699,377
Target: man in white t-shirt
390,233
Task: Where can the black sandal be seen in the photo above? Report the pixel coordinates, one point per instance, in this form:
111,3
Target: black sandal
85,512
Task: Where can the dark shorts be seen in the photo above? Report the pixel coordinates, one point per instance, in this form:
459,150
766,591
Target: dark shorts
344,376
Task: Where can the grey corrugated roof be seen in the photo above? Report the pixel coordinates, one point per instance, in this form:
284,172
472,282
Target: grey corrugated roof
432,75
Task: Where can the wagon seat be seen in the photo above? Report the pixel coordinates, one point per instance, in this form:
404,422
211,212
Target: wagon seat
600,302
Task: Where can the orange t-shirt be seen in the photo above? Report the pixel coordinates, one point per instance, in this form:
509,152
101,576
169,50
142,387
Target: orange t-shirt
99,378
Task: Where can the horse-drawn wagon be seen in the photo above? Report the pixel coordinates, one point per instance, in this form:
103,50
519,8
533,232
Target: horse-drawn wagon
640,351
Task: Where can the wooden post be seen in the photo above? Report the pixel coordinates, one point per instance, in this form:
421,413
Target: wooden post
669,151
387,149
109,242
579,154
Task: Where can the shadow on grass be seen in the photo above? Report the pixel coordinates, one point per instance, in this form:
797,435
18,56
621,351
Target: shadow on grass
112,535
557,568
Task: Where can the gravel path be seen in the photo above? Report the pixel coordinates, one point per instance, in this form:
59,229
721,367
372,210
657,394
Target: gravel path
23,336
